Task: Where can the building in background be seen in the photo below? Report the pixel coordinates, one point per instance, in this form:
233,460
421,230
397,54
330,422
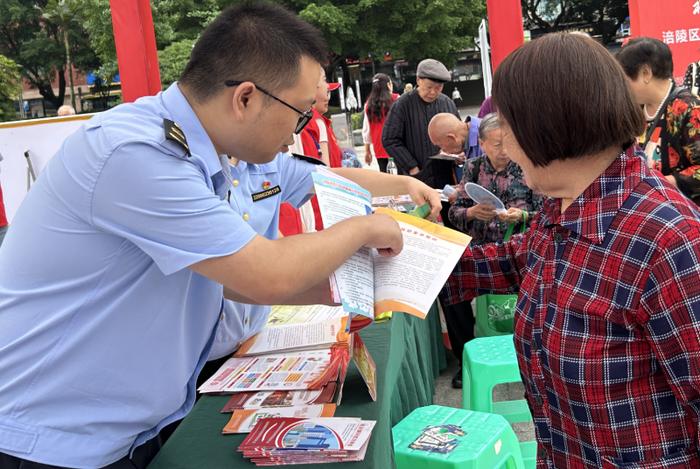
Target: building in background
91,95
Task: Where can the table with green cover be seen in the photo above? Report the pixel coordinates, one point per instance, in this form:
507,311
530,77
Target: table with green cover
409,355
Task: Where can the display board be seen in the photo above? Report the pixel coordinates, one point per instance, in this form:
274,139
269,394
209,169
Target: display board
41,138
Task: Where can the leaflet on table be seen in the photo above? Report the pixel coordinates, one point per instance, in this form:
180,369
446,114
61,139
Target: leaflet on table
339,199
243,420
294,435
410,281
285,372
284,440
260,399
291,337
365,364
283,314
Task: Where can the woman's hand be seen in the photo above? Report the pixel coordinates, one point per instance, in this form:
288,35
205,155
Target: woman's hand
368,155
481,212
512,215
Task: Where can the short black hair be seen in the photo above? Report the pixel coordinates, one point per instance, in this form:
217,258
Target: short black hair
646,51
565,96
253,41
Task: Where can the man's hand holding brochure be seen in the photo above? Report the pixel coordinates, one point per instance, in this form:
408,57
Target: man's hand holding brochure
370,283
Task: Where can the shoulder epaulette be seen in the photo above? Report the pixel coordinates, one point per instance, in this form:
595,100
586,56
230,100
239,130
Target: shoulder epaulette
308,159
174,132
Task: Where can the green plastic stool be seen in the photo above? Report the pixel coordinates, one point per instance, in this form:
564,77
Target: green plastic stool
494,314
486,362
436,437
529,451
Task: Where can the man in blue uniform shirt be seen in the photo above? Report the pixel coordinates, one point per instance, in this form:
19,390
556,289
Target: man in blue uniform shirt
113,271
240,321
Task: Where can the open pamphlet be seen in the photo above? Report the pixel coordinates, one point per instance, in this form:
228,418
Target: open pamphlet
285,440
369,284
303,314
290,337
292,371
243,420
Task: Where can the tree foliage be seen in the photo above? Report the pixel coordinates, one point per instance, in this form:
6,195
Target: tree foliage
411,29
605,16
405,28
9,87
96,20
63,14
36,43
173,59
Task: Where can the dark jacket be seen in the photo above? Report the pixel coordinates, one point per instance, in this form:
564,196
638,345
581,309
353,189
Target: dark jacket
405,137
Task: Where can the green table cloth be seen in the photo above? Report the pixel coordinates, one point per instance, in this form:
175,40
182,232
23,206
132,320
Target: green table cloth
409,355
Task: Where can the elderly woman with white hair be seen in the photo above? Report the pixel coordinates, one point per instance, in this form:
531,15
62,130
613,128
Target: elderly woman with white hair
496,172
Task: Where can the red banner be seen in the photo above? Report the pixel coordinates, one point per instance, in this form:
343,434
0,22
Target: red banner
135,42
505,28
675,22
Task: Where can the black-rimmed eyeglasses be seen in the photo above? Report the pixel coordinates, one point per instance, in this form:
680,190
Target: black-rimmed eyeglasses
304,118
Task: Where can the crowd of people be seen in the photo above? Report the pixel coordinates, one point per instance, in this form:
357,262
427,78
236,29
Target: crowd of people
193,210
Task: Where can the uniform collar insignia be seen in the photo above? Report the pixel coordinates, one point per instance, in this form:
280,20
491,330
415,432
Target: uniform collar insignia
174,132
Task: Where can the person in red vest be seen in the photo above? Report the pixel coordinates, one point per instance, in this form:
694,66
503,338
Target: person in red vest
379,101
319,129
318,139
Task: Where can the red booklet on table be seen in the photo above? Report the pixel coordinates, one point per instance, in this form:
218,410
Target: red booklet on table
281,441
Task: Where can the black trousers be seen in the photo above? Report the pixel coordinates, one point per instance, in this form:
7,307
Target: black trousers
142,457
382,162
460,326
444,212
459,317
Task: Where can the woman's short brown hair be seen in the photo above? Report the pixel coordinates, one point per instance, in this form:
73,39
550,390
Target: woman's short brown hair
565,96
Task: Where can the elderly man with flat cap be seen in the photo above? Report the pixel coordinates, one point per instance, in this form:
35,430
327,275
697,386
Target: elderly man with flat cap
405,138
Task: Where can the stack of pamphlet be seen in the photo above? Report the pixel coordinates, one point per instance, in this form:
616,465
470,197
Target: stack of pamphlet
295,367
281,441
243,420
263,399
293,371
303,377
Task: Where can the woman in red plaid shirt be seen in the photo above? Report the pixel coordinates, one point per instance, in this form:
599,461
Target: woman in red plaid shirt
607,328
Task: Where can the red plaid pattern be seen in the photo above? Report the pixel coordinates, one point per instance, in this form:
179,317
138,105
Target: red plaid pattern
607,327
